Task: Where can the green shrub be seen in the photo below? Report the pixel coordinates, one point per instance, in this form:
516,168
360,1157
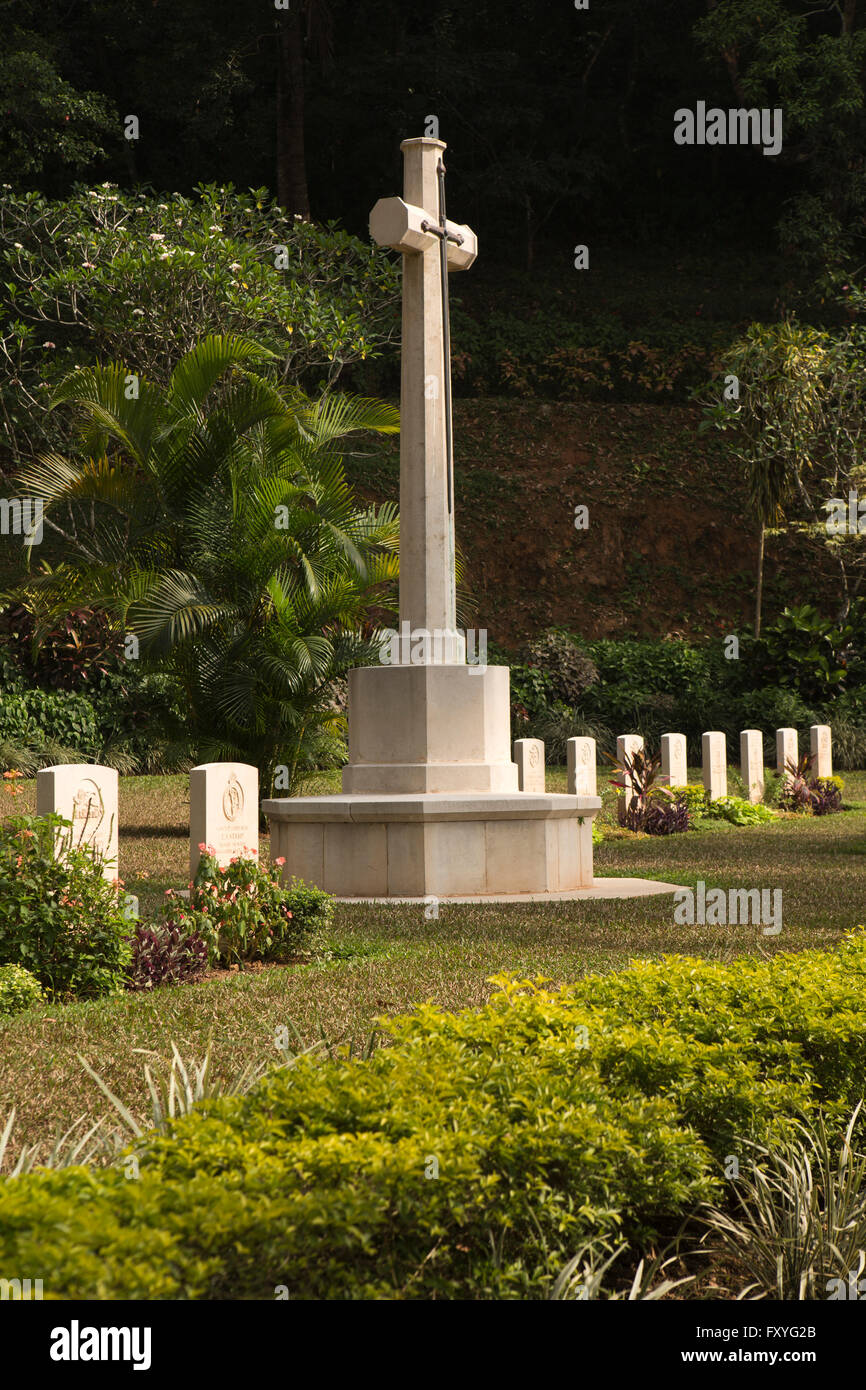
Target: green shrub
111,275
65,718
692,793
738,810
58,917
472,1156
19,989
242,911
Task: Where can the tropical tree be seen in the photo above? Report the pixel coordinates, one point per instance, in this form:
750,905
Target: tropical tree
799,431
774,401
211,520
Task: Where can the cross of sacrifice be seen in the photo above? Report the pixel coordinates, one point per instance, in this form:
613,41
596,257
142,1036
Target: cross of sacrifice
431,246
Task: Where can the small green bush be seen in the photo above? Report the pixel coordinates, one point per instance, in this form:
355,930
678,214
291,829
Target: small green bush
243,912
473,1155
738,810
692,793
59,918
19,989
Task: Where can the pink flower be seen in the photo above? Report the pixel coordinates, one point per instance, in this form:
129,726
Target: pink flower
281,861
202,847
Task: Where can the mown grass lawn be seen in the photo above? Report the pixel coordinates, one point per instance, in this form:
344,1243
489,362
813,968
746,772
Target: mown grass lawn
384,959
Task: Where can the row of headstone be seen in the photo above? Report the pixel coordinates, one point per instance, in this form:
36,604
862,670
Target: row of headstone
223,810
581,757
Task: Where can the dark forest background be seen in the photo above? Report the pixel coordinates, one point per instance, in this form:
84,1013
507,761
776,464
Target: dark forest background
263,123
559,121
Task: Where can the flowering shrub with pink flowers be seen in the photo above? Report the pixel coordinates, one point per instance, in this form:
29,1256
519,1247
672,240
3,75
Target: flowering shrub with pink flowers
59,918
244,913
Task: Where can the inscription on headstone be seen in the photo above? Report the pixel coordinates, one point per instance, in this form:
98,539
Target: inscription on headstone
715,765
580,753
821,749
752,763
86,795
223,811
786,750
675,772
529,756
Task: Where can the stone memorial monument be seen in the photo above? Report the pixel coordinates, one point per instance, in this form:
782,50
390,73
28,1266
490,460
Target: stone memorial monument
626,747
430,802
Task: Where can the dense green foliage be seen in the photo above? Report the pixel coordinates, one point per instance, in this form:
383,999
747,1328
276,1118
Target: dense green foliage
50,129
470,1158
19,989
212,524
568,109
106,275
804,670
59,917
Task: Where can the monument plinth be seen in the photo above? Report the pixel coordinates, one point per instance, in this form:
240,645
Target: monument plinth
430,802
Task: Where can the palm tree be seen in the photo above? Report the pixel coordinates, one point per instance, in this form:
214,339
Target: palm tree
213,521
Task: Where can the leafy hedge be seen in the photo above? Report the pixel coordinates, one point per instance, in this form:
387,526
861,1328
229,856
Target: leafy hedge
468,1159
655,686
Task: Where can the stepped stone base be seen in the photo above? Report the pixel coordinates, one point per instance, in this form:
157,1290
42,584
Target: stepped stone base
470,845
429,729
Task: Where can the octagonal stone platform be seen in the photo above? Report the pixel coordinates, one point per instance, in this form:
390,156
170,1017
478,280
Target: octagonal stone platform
467,845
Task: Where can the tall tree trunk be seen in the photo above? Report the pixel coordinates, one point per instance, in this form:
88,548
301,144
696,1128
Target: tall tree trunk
530,235
292,194
759,588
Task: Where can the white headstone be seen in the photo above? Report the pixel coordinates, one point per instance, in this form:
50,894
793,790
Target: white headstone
223,811
86,795
715,765
821,748
529,756
580,753
675,770
752,763
786,750
626,747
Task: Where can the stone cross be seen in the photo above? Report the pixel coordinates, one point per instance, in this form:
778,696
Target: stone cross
431,245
